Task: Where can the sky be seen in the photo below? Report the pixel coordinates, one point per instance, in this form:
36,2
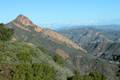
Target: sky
62,11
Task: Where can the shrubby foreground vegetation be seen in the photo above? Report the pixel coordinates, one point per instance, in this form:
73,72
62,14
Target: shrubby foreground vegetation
91,76
5,33
20,61
17,61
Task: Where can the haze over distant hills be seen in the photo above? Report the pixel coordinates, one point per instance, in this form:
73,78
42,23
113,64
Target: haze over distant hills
100,26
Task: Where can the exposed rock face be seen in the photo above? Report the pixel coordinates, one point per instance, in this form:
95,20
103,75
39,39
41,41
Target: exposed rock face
24,23
38,29
62,54
24,20
19,26
62,39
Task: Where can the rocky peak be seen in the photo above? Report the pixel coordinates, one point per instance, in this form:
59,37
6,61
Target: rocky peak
24,20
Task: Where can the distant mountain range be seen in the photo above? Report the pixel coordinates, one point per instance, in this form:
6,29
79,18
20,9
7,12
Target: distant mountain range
96,40
68,26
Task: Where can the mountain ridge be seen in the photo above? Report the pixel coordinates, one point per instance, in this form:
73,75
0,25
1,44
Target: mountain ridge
26,24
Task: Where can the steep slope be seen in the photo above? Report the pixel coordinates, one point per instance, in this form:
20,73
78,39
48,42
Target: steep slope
27,26
62,39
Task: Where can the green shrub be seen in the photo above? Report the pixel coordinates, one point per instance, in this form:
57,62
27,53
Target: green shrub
33,72
92,76
5,33
26,63
58,59
24,55
43,72
96,76
22,72
43,49
77,76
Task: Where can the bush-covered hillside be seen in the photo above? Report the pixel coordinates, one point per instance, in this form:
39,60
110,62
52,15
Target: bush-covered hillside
26,61
20,61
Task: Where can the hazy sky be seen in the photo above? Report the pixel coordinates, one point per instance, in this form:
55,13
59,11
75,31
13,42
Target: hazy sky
61,11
